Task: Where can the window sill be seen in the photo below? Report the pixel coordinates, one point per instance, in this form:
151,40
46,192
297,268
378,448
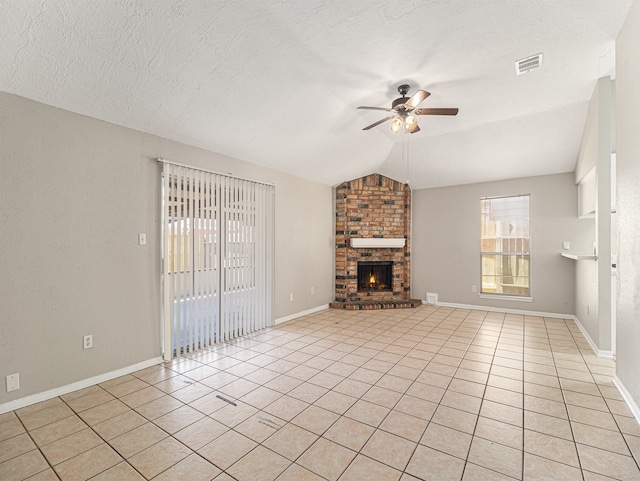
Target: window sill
506,297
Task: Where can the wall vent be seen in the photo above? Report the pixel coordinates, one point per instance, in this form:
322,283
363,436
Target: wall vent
527,64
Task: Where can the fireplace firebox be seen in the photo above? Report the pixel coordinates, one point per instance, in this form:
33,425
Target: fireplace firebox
375,276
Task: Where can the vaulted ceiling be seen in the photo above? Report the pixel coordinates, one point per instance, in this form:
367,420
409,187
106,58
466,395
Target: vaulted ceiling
277,82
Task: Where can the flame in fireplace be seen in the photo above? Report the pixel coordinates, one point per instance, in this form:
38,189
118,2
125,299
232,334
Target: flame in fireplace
374,276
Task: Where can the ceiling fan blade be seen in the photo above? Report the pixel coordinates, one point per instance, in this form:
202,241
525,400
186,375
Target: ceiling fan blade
416,98
376,108
452,111
378,122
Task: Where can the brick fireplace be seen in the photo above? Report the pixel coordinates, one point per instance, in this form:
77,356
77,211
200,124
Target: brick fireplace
373,226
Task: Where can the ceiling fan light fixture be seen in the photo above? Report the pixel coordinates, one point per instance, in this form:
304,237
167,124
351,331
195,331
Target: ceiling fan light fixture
411,123
396,125
404,110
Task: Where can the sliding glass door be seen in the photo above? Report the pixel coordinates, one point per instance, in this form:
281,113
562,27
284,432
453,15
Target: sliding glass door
217,258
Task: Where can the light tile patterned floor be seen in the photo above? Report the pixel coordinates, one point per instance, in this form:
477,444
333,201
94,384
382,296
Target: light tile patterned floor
411,394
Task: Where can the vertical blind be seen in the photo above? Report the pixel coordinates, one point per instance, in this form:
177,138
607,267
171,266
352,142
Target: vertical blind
217,259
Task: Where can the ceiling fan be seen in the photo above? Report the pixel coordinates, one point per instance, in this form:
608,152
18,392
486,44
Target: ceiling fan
405,111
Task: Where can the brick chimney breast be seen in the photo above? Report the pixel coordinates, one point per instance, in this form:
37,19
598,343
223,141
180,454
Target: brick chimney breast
373,206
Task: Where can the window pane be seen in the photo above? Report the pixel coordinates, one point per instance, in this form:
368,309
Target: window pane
505,245
505,274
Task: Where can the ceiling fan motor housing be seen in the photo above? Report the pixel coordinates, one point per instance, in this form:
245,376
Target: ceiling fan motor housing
400,101
402,90
404,109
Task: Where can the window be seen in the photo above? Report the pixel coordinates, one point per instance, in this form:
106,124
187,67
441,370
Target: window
505,245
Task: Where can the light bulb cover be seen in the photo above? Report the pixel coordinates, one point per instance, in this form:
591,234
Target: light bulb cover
411,123
396,125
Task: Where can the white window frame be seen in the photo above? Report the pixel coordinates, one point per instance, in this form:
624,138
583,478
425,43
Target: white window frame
507,297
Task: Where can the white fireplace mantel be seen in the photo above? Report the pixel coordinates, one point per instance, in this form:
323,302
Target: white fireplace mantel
377,242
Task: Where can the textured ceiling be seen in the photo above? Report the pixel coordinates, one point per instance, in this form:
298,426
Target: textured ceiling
277,82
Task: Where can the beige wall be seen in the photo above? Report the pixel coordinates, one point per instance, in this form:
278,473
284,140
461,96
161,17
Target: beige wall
628,204
74,194
588,154
587,271
593,279
446,242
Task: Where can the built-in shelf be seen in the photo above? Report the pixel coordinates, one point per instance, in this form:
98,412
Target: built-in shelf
582,256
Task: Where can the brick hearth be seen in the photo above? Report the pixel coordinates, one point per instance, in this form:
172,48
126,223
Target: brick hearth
374,206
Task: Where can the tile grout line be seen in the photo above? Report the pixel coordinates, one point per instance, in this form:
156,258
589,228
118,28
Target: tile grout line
564,400
399,326
637,461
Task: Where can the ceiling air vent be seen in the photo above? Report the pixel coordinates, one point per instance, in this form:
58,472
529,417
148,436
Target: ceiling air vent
527,64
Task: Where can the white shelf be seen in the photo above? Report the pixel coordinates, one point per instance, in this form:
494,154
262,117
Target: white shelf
377,242
582,256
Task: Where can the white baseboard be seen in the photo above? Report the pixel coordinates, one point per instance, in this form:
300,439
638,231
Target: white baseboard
626,395
554,315
300,314
598,352
59,391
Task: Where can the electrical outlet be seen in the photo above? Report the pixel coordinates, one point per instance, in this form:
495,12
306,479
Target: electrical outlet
13,382
291,296
566,245
473,288
142,239
87,342
313,290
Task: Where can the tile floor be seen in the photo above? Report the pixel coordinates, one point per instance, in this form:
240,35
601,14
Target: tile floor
410,394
